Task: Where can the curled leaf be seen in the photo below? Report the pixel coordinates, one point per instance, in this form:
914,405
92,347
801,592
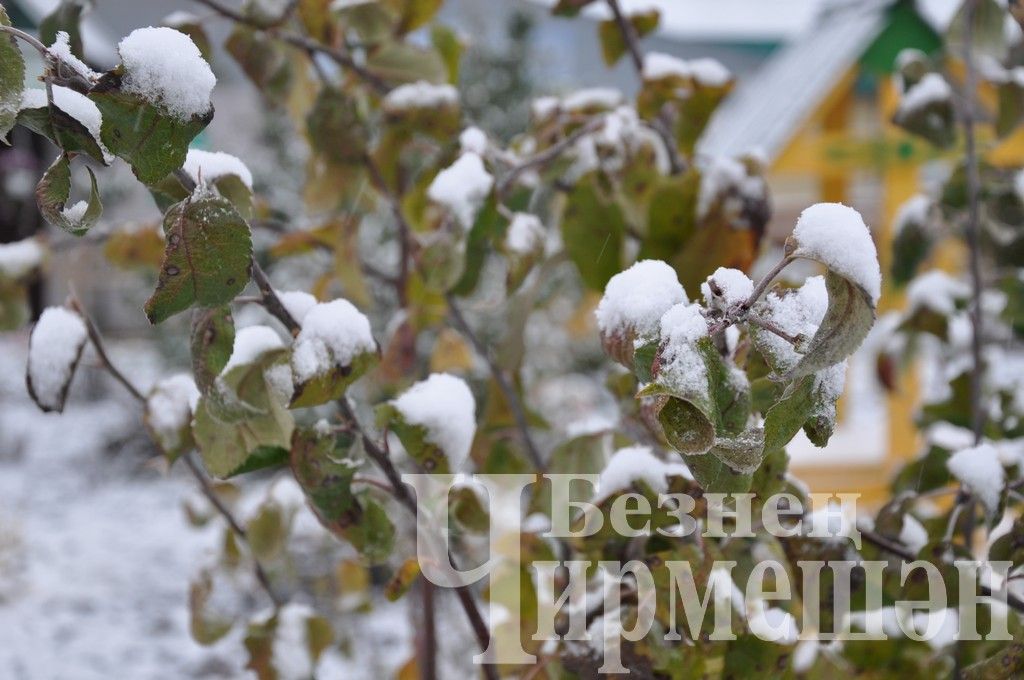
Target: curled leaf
52,195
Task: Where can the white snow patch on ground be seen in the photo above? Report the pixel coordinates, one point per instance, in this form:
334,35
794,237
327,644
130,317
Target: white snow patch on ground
19,258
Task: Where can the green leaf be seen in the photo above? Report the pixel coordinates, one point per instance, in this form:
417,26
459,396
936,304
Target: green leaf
613,46
788,415
151,141
910,247
849,317
206,627
569,8
743,453
62,129
213,337
671,217
267,532
263,60
593,231
400,62
226,447
1010,110
67,17
207,259
12,78
415,13
714,476
446,42
428,455
326,478
52,195
688,428
335,128
332,385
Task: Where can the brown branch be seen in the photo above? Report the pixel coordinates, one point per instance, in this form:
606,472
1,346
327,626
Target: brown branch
97,342
401,492
233,523
401,281
905,554
629,35
308,45
200,476
973,219
271,301
546,156
740,313
515,404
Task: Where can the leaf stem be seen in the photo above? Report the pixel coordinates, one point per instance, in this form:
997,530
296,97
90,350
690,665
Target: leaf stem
193,467
542,158
515,404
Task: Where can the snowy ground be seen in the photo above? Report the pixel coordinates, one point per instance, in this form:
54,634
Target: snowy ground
96,553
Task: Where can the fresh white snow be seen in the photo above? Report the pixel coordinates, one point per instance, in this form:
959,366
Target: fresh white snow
55,347
164,67
473,140
20,258
444,405
978,468
421,95
797,312
682,367
462,187
733,287
297,302
212,165
930,89
169,408
61,49
658,65
635,299
525,234
251,343
637,463
836,236
333,334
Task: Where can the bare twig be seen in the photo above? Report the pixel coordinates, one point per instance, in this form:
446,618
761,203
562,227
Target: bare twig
546,156
740,313
401,281
770,326
629,35
193,467
973,219
515,404
271,301
233,523
97,342
340,57
381,459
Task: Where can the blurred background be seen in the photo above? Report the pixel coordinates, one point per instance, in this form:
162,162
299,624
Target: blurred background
814,97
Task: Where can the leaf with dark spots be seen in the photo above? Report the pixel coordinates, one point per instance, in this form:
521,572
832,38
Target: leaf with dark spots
207,259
